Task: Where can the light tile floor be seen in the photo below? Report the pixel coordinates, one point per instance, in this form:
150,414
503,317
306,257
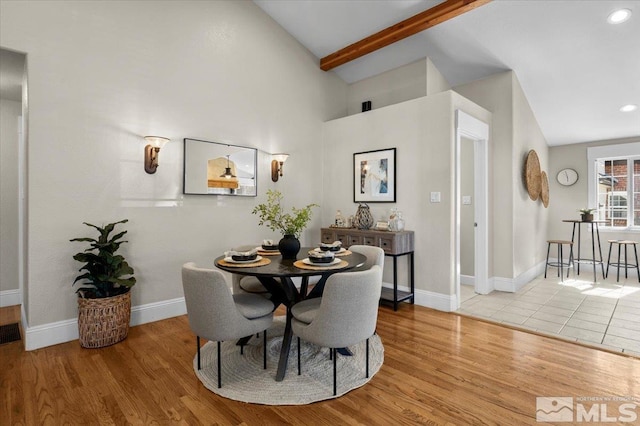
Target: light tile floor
605,314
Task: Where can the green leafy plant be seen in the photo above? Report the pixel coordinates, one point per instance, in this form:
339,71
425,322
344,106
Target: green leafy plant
272,215
105,272
586,211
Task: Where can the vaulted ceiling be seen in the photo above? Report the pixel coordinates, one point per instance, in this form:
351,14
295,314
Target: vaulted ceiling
576,69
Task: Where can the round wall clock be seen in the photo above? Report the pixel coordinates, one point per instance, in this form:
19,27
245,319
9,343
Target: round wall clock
567,177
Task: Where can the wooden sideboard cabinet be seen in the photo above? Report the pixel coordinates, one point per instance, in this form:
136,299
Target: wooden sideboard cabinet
394,244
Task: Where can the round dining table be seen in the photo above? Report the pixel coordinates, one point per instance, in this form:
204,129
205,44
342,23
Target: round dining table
277,277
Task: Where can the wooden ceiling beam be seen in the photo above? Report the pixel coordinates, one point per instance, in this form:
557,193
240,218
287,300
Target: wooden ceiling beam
440,13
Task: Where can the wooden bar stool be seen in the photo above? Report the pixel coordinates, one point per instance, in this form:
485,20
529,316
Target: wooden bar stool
626,263
560,264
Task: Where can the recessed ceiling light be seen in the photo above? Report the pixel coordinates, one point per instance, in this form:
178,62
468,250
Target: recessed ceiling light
619,16
629,108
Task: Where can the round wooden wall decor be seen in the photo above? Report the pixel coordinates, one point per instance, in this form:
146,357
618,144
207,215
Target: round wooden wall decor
533,175
544,191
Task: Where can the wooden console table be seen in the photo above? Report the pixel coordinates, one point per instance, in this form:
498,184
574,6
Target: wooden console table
394,244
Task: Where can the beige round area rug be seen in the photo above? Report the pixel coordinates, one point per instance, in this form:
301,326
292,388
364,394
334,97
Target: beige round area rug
244,379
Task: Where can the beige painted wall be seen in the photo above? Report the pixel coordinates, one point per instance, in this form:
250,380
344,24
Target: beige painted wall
567,200
530,218
519,224
10,111
467,211
436,82
100,80
411,81
422,131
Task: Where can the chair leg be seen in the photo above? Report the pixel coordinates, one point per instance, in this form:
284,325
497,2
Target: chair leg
608,260
561,263
241,349
219,368
330,354
335,357
547,264
635,250
264,338
298,356
198,344
367,358
618,275
626,262
570,264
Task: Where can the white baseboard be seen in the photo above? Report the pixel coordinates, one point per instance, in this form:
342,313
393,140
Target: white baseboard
158,311
53,333
10,298
467,280
439,301
430,299
514,284
65,331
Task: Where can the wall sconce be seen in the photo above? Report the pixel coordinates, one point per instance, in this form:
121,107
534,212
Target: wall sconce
151,152
276,165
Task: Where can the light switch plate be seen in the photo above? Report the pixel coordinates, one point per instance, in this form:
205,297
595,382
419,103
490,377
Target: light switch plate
466,200
435,197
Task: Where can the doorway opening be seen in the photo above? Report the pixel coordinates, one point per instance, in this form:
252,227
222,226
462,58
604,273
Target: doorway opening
13,114
471,206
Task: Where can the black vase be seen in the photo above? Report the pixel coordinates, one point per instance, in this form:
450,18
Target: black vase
289,246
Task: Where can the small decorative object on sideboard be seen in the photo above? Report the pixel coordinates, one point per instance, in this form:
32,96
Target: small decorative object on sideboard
396,222
381,226
339,222
586,214
363,218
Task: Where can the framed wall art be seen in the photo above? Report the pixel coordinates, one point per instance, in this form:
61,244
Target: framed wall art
214,168
374,176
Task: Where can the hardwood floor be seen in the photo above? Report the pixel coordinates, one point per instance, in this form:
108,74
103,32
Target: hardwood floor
439,368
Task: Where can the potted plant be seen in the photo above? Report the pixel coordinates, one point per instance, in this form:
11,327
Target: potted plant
586,214
290,225
104,298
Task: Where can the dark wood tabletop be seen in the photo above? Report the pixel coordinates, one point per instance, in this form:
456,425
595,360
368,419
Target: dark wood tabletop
279,267
277,276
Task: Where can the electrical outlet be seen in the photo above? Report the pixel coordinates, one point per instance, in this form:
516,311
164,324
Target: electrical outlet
435,197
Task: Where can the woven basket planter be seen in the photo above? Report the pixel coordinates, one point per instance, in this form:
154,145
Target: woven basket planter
103,322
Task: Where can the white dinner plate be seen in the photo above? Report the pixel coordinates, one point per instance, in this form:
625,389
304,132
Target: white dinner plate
230,260
306,261
342,250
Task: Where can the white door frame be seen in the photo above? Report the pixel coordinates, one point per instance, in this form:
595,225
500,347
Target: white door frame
478,131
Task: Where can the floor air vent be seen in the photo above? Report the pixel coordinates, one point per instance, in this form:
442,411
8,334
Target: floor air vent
9,333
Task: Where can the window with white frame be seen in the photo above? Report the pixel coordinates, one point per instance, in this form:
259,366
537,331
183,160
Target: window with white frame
614,184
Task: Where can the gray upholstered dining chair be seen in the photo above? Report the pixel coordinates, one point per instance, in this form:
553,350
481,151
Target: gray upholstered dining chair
247,284
375,255
347,314
217,315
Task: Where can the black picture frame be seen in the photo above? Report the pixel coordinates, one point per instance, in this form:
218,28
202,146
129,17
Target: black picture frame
374,176
218,168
